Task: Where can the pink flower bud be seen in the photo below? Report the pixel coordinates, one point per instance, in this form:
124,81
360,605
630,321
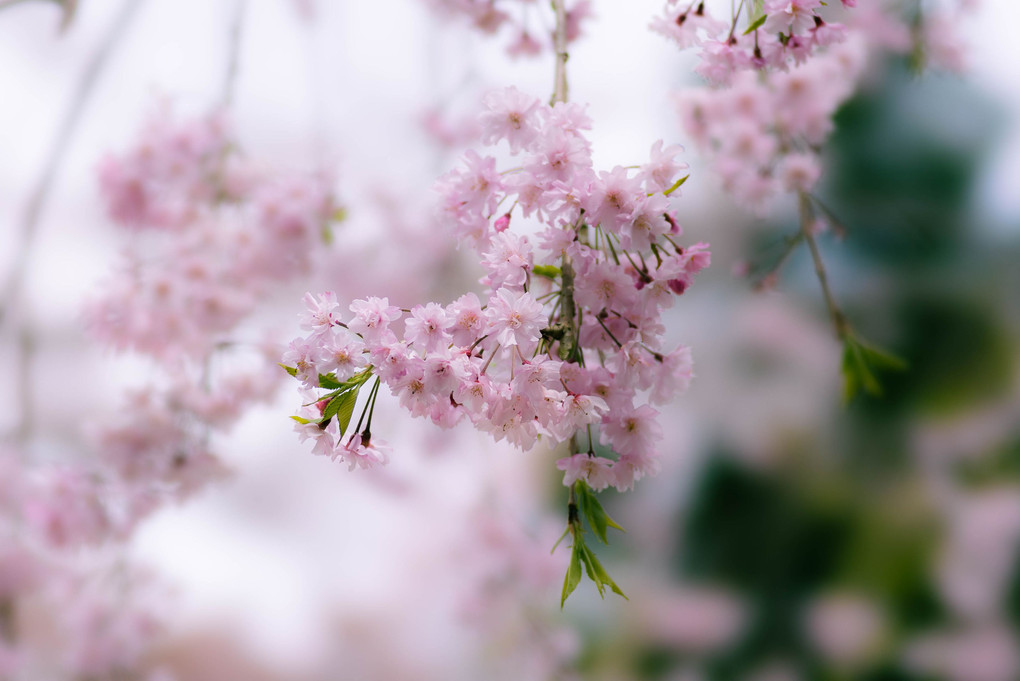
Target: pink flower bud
678,285
502,223
674,226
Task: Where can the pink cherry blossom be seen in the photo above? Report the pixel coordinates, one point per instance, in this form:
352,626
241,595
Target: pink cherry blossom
594,470
514,319
426,327
510,115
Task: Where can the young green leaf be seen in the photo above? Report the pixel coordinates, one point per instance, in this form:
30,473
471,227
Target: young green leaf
756,24
598,519
573,577
560,540
587,558
345,412
676,185
342,407
547,271
327,396
329,381
861,362
290,370
360,377
601,576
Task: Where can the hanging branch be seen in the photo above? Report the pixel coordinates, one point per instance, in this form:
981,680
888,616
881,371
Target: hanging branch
839,321
37,202
234,54
861,361
560,45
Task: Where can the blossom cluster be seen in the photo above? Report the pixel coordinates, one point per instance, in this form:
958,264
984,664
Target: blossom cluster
567,337
775,85
522,20
763,134
785,32
56,619
210,236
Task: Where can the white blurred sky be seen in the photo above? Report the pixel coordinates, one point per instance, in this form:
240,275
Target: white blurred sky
345,91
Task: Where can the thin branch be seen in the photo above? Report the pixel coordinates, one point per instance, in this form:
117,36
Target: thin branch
234,52
838,318
8,621
790,244
560,43
733,26
834,220
61,144
568,309
606,329
39,196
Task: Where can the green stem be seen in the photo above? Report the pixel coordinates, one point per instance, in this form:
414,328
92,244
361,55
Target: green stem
606,329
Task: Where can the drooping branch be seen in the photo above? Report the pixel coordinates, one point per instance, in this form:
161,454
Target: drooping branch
234,54
39,196
560,47
839,321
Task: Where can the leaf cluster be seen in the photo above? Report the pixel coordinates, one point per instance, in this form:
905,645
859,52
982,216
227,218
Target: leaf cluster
340,400
585,504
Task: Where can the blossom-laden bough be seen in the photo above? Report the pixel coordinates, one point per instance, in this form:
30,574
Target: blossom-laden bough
567,342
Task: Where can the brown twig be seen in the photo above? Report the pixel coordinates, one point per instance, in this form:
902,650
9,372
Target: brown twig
839,321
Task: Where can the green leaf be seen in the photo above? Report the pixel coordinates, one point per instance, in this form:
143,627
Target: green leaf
329,381
346,411
598,519
861,362
342,407
360,377
676,185
301,420
756,24
547,271
573,577
320,398
562,537
587,557
290,370
601,577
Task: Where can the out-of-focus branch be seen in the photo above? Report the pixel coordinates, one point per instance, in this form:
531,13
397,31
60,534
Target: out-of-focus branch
61,143
69,8
234,52
8,617
560,43
839,321
39,196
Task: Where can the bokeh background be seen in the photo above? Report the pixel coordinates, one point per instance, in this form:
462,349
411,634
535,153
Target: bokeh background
788,536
